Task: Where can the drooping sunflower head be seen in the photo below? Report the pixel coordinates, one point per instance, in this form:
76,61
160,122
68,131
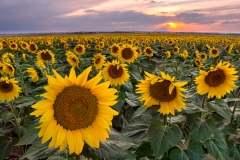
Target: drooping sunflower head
24,57
163,91
40,64
127,54
72,59
214,52
148,51
9,90
8,58
168,54
229,49
46,56
1,46
198,63
32,47
75,110
184,54
33,74
116,73
8,69
79,49
98,60
218,81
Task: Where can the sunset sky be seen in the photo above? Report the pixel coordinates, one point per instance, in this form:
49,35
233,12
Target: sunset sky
30,16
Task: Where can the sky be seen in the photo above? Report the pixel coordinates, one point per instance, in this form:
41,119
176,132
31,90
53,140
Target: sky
44,16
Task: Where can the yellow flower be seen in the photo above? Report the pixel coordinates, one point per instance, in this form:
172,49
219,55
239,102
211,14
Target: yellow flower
33,74
72,59
13,46
214,52
75,110
148,51
24,57
116,73
32,48
9,69
168,54
114,50
79,49
98,60
198,63
217,81
163,91
127,54
46,55
203,57
9,90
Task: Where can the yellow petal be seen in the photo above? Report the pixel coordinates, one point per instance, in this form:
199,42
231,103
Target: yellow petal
82,78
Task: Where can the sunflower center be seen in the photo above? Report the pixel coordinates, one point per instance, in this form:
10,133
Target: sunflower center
202,56
160,91
175,50
6,86
79,49
148,51
215,78
98,59
24,45
75,108
33,47
46,56
127,53
74,60
115,72
214,51
114,49
13,45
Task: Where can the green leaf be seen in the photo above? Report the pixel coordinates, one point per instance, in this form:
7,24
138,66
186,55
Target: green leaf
19,130
238,120
135,73
29,137
113,148
178,154
121,100
6,116
144,150
162,138
6,147
132,99
193,108
234,150
200,129
56,158
41,151
25,102
221,107
127,87
195,151
217,148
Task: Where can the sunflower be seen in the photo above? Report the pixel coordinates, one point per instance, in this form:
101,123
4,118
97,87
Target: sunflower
79,49
217,81
24,57
24,45
1,68
163,91
45,55
75,110
97,47
203,57
8,58
98,60
9,69
168,54
184,54
13,46
40,64
9,90
72,59
127,54
229,49
114,51
116,73
198,63
148,51
33,74
1,46
214,52
139,51
65,45
176,50
32,47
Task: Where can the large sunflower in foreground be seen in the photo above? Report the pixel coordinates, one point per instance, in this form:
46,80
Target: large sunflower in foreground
163,91
75,110
217,81
9,90
116,73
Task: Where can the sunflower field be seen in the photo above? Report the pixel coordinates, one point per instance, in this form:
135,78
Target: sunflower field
120,97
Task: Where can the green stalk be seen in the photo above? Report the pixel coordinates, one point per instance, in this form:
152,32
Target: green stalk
203,102
234,107
165,119
77,157
22,81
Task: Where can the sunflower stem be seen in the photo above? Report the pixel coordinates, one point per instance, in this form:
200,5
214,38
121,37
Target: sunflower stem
77,157
165,119
234,107
203,102
22,81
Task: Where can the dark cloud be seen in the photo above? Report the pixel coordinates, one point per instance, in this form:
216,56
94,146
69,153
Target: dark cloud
197,18
236,22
